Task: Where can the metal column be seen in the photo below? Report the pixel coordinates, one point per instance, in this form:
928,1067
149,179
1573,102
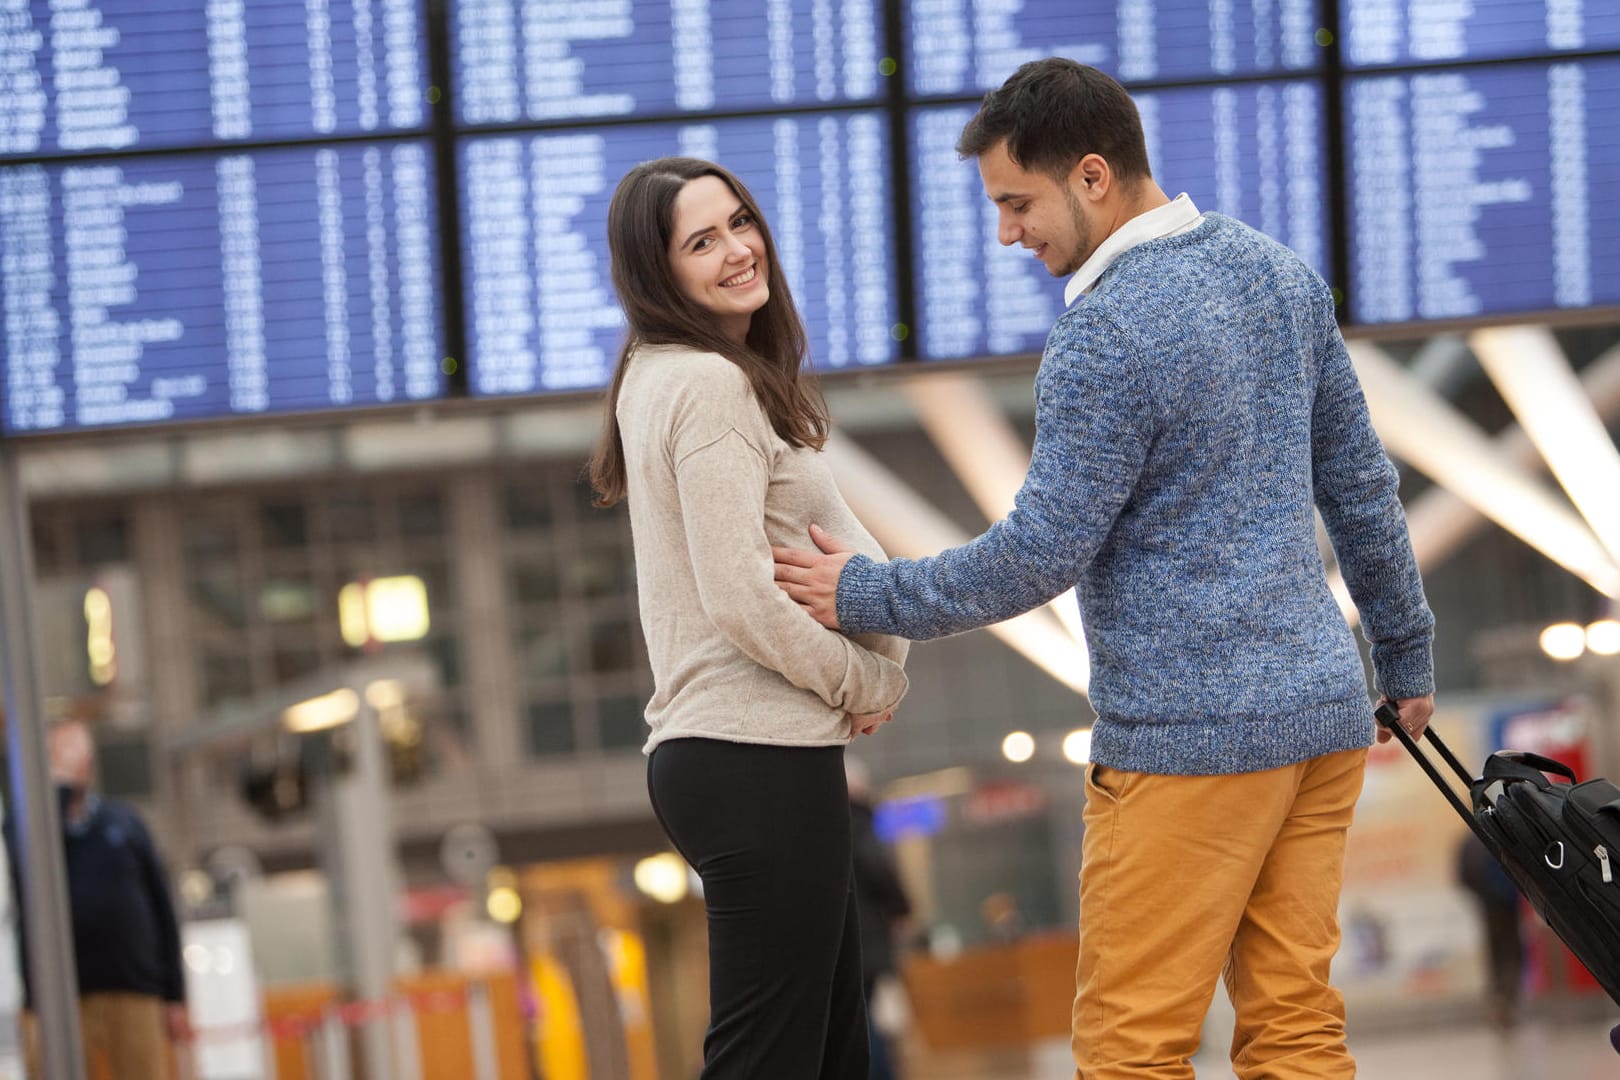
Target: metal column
358,850
38,829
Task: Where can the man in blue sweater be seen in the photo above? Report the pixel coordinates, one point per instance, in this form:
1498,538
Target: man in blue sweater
1193,404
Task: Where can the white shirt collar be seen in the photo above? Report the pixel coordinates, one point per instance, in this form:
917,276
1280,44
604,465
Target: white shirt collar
1174,217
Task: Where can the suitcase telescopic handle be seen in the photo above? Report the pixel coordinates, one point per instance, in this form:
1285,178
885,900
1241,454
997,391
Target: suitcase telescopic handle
1389,717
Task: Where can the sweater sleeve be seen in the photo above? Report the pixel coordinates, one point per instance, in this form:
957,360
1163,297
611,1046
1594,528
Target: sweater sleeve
722,472
1356,489
1094,425
167,927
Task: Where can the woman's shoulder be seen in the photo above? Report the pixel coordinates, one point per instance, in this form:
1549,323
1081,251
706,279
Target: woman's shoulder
669,371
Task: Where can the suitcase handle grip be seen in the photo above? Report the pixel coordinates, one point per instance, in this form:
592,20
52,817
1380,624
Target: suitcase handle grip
1537,762
1389,717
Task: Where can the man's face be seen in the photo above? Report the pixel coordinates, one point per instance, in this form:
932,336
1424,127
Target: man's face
1037,212
73,755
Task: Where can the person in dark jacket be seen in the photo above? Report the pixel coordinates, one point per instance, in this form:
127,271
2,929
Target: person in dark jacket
1498,899
126,939
880,902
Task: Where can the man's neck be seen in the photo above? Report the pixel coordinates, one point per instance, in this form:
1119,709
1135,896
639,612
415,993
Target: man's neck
1144,196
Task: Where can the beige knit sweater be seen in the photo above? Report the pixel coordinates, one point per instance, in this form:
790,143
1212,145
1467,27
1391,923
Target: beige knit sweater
711,488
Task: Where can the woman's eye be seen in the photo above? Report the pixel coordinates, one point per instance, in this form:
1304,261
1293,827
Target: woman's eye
702,243
742,221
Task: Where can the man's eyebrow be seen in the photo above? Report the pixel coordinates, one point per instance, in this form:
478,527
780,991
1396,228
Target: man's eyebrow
1010,196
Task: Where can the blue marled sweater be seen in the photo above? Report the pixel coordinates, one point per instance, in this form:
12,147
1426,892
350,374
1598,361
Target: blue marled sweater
1189,412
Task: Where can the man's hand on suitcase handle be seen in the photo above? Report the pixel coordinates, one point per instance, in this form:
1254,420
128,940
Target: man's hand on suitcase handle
1415,714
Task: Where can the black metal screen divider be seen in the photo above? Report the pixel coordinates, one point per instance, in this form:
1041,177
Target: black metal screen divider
899,112
441,76
1338,156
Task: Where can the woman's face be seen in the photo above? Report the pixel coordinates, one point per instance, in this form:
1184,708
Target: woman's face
717,254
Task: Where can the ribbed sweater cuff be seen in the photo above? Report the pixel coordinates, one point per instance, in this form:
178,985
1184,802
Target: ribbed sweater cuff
1407,670
862,605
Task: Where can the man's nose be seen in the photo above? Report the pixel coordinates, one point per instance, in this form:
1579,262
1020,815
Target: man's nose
1008,231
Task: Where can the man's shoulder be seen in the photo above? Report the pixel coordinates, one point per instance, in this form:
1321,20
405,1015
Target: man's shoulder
119,818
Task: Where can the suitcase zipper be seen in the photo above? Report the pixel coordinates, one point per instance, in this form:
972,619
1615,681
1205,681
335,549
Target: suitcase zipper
1602,854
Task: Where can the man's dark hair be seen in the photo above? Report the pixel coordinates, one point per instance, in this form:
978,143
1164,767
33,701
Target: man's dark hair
1052,113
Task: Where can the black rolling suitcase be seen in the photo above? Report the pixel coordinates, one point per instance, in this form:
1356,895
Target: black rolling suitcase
1560,843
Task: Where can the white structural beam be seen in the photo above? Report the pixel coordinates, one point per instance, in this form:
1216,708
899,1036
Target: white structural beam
908,525
1441,522
980,445
1535,379
1431,435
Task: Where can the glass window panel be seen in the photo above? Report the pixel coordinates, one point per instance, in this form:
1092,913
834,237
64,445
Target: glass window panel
291,661
124,764
613,645
353,515
47,546
210,531
226,676
435,576
551,728
421,514
445,652
602,569
218,600
103,540
285,523
533,578
528,504
289,600
622,723
543,650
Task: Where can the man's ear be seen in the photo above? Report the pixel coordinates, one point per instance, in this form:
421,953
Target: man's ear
1091,177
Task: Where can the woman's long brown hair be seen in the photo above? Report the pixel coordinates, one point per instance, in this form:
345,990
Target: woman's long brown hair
641,220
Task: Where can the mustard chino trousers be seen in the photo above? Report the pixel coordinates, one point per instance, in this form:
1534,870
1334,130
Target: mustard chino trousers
1185,878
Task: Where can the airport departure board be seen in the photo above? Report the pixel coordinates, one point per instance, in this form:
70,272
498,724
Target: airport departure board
194,224
1378,33
1485,190
1253,151
518,60
188,287
541,314
958,47
85,76
215,209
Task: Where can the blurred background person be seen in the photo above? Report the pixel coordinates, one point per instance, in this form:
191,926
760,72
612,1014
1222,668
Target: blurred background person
880,900
126,939
1498,901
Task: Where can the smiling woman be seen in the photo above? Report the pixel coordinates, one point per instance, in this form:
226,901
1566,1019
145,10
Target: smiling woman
718,257
713,435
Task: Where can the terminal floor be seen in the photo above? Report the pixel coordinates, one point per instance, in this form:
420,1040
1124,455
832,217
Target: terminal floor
1535,1050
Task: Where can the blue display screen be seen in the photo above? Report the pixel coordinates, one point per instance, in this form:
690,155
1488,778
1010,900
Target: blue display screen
1253,151
541,314
85,76
960,47
192,286
537,60
1484,190
1383,32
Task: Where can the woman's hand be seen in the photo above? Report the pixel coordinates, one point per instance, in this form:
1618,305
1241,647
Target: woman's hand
867,724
